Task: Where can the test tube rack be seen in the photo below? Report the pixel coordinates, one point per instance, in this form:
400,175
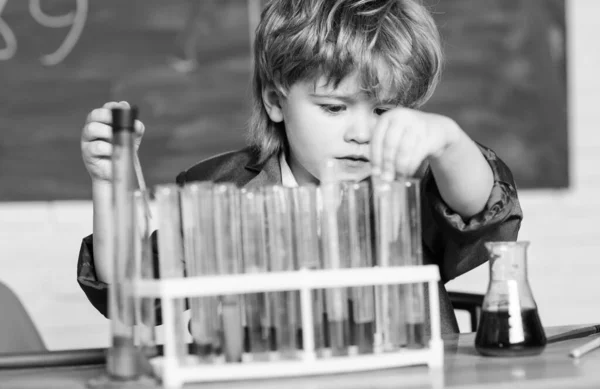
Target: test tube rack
175,373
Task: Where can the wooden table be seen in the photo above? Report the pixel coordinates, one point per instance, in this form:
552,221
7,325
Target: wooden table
463,368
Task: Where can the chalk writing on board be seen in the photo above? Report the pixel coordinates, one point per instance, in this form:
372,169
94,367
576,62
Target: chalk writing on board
76,19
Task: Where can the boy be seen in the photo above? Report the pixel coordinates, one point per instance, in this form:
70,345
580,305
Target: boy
343,79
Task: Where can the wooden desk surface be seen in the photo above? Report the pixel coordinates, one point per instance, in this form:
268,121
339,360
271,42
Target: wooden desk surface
463,368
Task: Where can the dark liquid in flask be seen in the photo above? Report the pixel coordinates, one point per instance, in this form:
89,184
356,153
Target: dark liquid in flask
493,334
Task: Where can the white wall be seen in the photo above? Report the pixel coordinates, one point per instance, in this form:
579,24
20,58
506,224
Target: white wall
39,241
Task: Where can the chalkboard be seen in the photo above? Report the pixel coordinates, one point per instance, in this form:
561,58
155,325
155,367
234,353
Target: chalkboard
187,65
505,82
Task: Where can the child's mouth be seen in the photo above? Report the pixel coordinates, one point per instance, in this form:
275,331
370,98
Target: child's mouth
354,161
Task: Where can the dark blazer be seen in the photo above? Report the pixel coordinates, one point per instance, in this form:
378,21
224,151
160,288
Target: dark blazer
454,244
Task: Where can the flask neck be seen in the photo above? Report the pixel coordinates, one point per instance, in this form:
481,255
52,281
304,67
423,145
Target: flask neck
508,261
509,286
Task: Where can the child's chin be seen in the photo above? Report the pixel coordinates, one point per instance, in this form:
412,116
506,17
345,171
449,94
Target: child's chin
358,175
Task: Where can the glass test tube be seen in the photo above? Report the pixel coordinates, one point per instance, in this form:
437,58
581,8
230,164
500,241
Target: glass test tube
258,321
307,253
145,307
390,203
283,305
197,218
336,299
170,253
362,307
226,204
122,356
415,297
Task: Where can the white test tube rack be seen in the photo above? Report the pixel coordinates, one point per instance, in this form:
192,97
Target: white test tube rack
174,373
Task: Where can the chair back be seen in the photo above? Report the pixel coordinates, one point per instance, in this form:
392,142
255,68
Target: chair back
18,333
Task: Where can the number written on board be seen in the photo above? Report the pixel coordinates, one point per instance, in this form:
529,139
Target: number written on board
75,19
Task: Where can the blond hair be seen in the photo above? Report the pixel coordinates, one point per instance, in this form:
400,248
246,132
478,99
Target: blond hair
391,44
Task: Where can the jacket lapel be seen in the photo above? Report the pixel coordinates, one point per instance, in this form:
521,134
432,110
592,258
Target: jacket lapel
268,173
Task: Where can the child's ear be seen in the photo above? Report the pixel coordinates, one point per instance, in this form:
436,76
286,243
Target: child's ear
272,101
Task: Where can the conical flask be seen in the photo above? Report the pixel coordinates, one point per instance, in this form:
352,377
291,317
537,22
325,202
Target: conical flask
509,323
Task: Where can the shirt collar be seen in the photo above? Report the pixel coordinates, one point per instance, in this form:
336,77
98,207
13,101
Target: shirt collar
287,177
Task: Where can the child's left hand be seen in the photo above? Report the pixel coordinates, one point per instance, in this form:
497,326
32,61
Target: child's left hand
403,138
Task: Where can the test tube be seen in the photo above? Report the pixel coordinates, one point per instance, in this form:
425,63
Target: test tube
391,246
415,297
122,358
362,308
281,259
306,251
209,266
336,299
226,204
170,252
145,307
197,224
258,322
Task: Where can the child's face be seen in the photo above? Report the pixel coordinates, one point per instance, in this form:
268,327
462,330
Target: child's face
323,122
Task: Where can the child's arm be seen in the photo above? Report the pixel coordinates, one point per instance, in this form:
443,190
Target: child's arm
468,197
96,150
463,176
458,245
404,139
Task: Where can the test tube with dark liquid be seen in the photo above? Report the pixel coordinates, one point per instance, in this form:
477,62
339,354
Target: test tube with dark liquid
226,201
122,358
415,303
170,253
199,261
362,302
145,307
258,321
281,259
336,299
306,251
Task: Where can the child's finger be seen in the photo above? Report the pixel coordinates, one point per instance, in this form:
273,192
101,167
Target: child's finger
377,144
139,128
99,149
116,104
111,105
102,115
96,130
392,146
406,152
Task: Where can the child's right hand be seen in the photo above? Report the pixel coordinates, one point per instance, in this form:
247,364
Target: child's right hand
96,141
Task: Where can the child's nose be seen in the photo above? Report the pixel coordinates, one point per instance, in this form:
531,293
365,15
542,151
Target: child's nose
360,129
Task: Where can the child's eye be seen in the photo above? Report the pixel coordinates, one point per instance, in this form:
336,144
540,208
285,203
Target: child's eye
329,108
381,111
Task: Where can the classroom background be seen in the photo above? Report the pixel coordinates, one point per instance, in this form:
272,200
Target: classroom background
521,77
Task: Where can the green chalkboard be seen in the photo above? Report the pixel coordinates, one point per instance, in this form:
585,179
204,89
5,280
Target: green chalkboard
187,65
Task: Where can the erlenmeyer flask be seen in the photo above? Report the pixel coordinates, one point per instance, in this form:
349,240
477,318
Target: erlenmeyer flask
509,323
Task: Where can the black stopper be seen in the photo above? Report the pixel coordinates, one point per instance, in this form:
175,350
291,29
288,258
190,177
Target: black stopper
124,118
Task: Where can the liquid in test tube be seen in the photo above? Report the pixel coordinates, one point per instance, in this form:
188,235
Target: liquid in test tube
226,201
170,253
306,251
258,322
391,251
281,259
336,302
145,307
362,308
197,223
415,298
